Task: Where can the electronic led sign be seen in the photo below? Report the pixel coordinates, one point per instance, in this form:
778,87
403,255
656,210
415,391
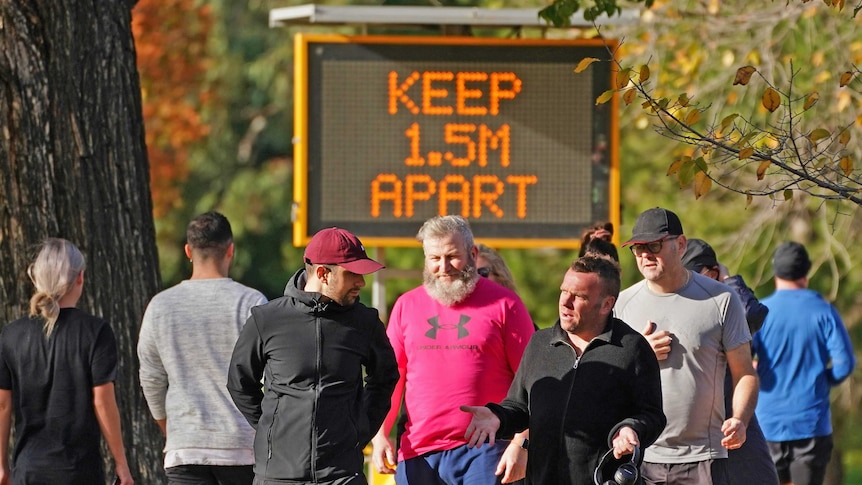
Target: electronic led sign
391,131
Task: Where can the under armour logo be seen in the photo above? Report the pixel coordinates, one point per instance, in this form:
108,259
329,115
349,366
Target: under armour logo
435,325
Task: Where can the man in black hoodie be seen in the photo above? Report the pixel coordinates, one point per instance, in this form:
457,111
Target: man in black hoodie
585,385
316,410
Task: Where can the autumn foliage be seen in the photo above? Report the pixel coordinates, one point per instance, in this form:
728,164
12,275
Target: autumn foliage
171,42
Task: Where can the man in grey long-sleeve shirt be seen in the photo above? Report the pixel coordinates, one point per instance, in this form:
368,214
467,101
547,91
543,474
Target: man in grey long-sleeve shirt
187,337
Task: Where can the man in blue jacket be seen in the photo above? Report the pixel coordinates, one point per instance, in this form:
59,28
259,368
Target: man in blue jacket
802,350
327,366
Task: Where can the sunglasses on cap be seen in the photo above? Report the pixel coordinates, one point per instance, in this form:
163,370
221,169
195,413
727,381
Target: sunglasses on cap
484,271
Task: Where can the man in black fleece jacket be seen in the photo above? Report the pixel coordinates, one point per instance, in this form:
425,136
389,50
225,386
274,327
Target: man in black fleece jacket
585,385
328,369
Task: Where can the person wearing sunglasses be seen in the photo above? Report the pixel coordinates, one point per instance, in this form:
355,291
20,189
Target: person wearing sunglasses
696,326
489,264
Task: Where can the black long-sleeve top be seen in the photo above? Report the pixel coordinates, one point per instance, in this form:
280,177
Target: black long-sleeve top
573,407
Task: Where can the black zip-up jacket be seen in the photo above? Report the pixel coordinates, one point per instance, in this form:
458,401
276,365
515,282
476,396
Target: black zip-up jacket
574,407
313,415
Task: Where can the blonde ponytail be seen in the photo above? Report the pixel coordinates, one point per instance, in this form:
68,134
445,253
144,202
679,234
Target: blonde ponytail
53,273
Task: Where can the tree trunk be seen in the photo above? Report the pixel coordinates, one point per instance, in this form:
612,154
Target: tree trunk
73,165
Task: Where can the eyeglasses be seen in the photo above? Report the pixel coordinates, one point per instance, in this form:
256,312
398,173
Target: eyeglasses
484,271
653,247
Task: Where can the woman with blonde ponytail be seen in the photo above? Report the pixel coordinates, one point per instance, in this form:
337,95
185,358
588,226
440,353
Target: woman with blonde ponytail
57,372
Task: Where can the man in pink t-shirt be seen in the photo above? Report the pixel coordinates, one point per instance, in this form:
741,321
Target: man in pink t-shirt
458,339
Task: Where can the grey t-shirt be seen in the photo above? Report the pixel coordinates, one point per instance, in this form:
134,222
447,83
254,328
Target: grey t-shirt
706,318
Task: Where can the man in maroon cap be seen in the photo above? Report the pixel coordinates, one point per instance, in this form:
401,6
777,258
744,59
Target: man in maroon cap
327,366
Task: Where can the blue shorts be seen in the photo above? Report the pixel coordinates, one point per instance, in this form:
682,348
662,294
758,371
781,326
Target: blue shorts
458,466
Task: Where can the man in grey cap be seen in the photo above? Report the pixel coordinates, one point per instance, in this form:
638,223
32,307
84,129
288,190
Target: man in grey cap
697,329
803,350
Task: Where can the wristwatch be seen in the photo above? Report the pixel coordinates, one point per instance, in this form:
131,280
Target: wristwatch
525,444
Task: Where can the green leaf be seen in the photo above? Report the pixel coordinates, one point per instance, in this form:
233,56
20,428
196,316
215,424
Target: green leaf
788,194
728,120
676,166
819,134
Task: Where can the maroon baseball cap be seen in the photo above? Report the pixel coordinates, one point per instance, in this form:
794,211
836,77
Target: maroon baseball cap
340,247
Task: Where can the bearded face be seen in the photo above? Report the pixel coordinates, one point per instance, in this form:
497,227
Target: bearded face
450,269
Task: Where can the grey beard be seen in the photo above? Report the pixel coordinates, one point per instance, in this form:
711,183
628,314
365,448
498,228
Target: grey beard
452,293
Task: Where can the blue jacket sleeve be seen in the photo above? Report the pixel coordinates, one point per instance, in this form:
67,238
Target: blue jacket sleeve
755,312
840,350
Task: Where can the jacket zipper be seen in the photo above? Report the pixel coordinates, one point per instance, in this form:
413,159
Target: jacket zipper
316,400
269,437
569,396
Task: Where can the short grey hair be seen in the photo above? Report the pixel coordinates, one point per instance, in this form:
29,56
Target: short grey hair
442,226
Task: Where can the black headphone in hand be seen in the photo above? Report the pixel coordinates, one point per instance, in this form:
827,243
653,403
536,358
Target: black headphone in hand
626,474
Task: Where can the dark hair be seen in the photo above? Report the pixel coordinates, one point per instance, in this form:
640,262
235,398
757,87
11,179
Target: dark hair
600,247
587,235
608,271
209,235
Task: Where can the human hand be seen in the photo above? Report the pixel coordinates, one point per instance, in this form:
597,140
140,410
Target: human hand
734,431
723,273
513,463
124,475
484,425
382,454
660,341
624,442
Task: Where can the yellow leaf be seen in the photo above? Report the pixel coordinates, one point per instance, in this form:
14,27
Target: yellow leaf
683,100
623,78
746,153
644,74
677,165
702,184
629,96
743,75
761,169
818,134
845,79
770,99
844,138
846,165
692,116
788,194
811,100
585,63
728,120
606,96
